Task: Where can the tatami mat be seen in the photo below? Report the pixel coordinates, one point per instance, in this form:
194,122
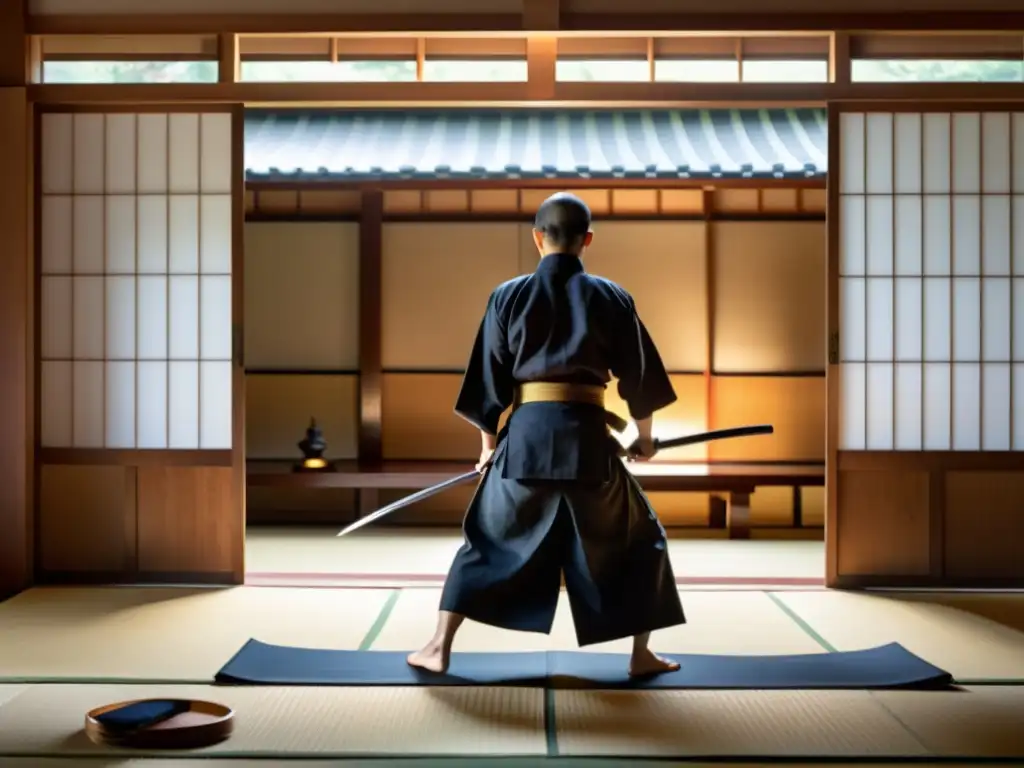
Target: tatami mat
8,692
169,634
720,622
969,646
1006,608
397,551
982,721
46,720
419,762
741,724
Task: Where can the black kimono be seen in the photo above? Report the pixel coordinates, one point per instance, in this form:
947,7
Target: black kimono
557,498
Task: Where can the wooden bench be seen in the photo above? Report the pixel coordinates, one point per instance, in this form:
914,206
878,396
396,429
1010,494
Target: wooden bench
736,482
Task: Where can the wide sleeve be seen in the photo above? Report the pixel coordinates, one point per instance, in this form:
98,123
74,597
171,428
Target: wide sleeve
488,385
643,382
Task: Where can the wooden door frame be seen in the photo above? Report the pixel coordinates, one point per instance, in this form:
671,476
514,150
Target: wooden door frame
140,458
832,367
937,464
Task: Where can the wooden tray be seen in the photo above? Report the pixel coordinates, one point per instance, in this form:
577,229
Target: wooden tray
204,724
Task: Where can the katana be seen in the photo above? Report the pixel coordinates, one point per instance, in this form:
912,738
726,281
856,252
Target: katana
660,445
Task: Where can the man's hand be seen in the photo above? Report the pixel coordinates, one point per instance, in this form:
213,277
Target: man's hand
485,459
642,449
488,443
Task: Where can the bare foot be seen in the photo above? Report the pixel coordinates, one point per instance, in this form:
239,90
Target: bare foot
431,659
646,663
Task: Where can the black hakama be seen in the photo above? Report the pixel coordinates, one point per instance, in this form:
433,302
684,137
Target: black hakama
521,536
557,499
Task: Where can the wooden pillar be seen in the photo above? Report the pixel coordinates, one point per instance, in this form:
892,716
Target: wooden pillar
371,237
839,59
17,437
832,235
708,204
541,15
228,62
541,50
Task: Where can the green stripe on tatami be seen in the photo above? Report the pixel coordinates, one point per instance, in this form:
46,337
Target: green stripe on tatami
799,620
382,619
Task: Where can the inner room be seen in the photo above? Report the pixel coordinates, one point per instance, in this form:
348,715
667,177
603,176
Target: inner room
372,241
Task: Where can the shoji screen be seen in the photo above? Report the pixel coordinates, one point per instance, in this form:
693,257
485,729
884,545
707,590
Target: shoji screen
136,292
932,281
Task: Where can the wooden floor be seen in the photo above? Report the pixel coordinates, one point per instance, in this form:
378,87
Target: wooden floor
65,650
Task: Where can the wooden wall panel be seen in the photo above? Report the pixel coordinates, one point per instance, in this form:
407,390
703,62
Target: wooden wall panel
183,526
681,509
884,523
299,506
813,200
984,525
446,508
685,416
771,507
794,405
399,201
436,281
598,200
302,296
484,201
278,409
737,201
86,518
661,263
446,200
635,202
320,201
812,501
769,296
682,201
16,333
419,420
780,200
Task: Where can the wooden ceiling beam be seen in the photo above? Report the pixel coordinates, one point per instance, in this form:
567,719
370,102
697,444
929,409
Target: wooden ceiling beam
793,23
539,17
571,95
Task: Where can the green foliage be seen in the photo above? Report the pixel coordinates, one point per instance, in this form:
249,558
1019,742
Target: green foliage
505,71
130,72
895,71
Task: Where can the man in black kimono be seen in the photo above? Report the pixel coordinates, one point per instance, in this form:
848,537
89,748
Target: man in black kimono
556,497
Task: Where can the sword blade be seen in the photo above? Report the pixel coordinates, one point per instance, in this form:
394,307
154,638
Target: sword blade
715,434
426,493
662,445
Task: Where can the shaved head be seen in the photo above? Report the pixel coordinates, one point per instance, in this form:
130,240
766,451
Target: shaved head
564,221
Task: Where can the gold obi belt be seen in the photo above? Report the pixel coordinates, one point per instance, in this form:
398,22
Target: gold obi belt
565,392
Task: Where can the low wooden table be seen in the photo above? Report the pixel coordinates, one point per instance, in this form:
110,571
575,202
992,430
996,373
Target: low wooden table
737,482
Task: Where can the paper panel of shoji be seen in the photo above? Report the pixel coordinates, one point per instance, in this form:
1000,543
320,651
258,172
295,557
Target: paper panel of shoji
932,281
136,296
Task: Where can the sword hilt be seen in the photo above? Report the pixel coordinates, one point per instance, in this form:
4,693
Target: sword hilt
706,437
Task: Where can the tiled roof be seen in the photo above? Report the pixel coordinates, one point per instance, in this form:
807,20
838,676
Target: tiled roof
354,145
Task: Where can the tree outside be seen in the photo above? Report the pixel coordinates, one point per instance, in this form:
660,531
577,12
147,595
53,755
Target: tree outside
515,71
